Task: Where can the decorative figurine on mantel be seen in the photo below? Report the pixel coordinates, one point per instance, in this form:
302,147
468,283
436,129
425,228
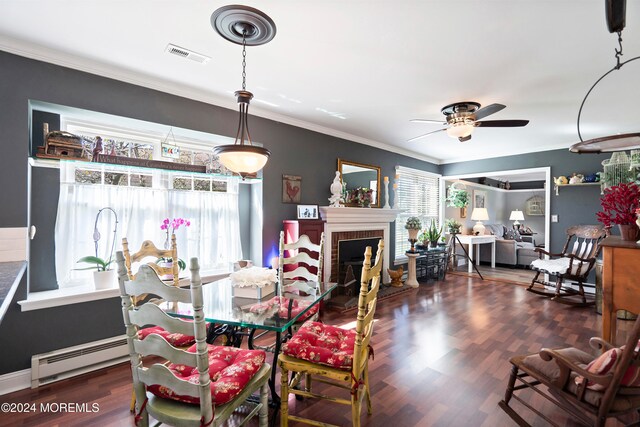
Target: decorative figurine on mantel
336,192
386,193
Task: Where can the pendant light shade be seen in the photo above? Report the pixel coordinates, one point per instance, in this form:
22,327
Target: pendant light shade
247,26
242,159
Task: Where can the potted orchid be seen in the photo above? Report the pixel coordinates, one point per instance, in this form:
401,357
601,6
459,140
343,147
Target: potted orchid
620,206
103,277
170,227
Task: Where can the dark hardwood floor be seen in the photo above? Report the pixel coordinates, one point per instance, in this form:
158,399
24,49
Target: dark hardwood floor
441,359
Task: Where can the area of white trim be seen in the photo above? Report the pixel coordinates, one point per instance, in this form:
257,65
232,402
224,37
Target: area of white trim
14,381
86,293
26,50
65,296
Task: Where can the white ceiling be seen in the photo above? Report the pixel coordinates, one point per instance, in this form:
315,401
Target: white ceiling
362,69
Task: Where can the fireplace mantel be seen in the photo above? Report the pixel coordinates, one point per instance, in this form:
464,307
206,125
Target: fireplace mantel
350,215
340,220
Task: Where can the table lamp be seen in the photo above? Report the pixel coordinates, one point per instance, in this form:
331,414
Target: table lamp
516,216
479,214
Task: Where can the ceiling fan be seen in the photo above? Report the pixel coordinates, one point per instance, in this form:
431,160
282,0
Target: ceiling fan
462,118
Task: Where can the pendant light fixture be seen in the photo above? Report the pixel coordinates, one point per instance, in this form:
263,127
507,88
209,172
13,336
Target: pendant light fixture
248,27
616,21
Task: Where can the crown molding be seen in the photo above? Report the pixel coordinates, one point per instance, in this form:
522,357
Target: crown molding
41,53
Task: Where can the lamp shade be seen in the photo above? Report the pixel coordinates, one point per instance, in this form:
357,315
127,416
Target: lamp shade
480,214
460,130
516,216
242,159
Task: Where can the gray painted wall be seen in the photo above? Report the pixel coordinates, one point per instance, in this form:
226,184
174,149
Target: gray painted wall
291,149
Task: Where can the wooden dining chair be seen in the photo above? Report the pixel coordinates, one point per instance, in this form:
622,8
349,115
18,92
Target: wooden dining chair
332,355
307,258
149,250
146,252
588,388
572,265
201,386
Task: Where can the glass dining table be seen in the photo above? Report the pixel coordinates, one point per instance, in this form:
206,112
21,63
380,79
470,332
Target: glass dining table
236,317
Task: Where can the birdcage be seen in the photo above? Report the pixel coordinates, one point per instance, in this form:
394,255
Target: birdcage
618,169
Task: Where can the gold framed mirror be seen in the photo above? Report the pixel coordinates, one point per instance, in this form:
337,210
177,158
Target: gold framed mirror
359,175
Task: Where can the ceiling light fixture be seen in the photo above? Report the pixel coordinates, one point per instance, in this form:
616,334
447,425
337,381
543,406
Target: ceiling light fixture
616,17
461,130
249,27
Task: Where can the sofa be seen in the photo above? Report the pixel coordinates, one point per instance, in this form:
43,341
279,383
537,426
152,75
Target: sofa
509,251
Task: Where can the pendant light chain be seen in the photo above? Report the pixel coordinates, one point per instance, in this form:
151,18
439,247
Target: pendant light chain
244,59
619,52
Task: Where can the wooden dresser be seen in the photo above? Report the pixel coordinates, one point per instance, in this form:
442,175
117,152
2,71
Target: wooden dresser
620,282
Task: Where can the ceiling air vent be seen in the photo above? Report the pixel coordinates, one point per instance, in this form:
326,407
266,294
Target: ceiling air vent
186,53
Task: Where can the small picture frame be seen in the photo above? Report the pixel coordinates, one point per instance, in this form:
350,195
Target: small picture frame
307,211
479,199
291,188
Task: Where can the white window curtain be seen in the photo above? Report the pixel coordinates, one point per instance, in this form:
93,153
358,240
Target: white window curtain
213,237
418,195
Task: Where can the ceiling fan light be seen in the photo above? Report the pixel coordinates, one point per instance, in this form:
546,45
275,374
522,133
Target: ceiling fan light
460,130
242,159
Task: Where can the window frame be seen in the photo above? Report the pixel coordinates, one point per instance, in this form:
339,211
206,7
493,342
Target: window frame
401,234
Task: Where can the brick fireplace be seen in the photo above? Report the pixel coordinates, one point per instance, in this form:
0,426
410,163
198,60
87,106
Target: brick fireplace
355,223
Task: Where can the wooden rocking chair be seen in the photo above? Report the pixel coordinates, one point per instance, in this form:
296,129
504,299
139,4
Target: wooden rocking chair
589,388
573,264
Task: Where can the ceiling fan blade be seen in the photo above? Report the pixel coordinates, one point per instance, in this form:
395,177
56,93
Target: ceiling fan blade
426,134
464,138
440,122
488,110
502,123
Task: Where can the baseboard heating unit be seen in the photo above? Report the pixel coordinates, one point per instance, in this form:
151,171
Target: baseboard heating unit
69,362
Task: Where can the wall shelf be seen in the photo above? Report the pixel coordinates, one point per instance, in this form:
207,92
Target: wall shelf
582,184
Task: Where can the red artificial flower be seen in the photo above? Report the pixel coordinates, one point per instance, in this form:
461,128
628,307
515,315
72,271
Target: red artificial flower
620,204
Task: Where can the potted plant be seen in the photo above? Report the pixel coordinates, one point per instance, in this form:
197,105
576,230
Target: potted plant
619,206
413,226
103,277
453,226
433,233
168,263
457,198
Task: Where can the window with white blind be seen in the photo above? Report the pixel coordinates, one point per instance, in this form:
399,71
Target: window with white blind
418,195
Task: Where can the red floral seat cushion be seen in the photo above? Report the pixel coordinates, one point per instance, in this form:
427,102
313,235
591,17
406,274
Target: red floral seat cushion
324,344
230,369
283,311
175,339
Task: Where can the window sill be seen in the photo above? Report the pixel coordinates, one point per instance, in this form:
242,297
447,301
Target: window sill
86,293
401,260
58,297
